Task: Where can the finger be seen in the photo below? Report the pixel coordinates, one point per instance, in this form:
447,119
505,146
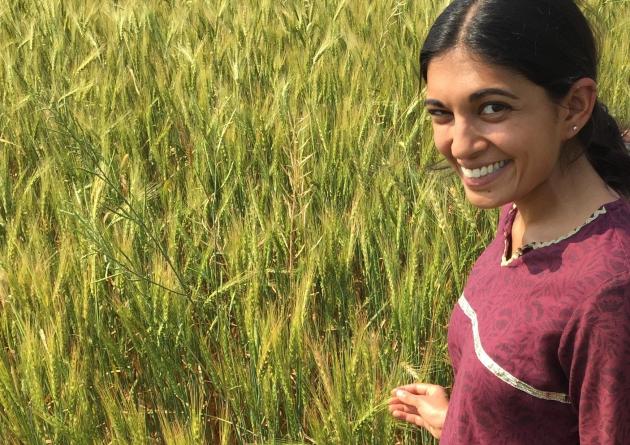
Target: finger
423,388
401,407
406,397
407,387
419,389
404,408
397,402
411,418
419,402
397,407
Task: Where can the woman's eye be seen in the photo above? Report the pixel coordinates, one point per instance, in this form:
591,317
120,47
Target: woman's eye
494,108
438,114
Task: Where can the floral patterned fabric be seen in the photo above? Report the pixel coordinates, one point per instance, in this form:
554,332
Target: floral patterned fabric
540,343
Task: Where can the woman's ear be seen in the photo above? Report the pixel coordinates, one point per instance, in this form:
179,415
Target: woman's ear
579,103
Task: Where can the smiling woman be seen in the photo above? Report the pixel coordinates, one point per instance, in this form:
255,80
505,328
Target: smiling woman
540,337
485,115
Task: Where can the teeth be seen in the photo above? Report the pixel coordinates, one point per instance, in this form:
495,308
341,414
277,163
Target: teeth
483,171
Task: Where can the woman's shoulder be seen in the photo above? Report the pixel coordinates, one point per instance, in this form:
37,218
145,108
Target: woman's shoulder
619,226
618,222
620,212
601,254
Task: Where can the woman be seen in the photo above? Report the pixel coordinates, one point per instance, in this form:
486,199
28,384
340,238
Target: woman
540,338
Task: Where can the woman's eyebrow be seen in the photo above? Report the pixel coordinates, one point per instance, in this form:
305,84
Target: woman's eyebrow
476,96
434,102
490,92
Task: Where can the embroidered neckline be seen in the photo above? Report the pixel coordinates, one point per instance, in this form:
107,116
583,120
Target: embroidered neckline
507,234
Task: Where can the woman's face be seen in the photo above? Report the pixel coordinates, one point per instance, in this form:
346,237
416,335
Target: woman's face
499,131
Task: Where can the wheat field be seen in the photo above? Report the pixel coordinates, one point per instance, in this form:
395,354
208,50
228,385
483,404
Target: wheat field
218,220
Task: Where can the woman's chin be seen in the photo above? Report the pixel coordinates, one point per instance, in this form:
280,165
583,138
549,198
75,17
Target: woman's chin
486,200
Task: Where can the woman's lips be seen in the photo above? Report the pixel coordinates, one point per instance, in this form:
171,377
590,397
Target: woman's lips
485,180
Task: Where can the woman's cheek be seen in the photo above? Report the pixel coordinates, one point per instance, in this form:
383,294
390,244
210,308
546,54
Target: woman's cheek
442,144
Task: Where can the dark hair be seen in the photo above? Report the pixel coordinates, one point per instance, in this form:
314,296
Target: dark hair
549,42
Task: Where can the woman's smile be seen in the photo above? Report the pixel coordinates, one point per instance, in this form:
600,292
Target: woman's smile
476,178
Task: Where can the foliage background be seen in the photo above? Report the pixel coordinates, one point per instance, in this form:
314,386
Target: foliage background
217,223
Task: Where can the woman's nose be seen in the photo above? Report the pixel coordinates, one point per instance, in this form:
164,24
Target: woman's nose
466,140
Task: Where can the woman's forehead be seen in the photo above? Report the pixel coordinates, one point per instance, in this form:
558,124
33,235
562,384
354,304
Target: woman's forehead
458,71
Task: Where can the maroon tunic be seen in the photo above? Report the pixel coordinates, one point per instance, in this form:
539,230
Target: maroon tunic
540,343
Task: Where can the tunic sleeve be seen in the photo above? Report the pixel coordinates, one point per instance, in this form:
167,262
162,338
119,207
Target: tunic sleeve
594,352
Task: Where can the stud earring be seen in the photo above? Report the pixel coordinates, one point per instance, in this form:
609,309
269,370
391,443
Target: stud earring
575,128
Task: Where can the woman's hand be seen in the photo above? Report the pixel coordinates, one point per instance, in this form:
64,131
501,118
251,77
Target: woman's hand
422,404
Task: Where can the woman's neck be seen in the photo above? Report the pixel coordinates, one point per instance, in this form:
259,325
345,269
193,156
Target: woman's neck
560,204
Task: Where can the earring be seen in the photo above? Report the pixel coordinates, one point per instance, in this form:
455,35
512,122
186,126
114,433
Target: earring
575,128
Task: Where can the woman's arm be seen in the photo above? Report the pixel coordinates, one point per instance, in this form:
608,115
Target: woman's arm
595,354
